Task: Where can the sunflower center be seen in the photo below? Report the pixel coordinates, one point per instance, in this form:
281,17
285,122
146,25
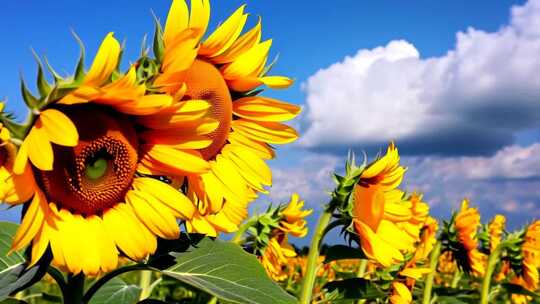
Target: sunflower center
204,81
94,175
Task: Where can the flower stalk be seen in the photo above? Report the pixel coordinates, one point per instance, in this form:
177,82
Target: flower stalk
433,260
313,256
492,263
75,290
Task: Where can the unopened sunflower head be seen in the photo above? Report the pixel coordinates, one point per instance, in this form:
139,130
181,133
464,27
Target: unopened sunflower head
524,257
226,71
91,161
384,220
491,235
459,236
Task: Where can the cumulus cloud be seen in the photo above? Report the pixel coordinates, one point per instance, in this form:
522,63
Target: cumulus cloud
513,162
471,101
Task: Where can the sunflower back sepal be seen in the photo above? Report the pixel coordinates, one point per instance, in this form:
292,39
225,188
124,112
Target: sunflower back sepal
158,45
44,87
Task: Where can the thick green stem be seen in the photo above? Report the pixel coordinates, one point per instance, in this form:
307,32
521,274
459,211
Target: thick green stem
313,257
238,237
433,260
360,274
492,262
75,290
145,281
456,278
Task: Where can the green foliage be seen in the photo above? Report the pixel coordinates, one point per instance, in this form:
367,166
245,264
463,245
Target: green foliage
352,289
227,272
341,252
117,291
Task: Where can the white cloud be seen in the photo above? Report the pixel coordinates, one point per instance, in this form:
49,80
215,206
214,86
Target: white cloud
472,100
311,179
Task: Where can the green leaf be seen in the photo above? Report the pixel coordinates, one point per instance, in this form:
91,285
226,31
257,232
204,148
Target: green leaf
31,101
44,87
79,70
355,289
13,301
13,273
342,252
116,291
158,47
227,272
517,289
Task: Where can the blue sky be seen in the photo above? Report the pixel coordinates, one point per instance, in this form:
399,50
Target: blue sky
462,107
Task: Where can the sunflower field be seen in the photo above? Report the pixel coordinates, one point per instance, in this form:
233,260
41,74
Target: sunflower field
135,187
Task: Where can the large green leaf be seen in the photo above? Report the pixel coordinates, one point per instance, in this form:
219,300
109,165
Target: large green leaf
116,291
13,272
227,272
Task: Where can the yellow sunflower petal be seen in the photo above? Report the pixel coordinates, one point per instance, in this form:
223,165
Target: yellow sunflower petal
105,62
250,63
234,185
176,139
277,82
225,35
200,15
264,109
261,149
160,221
145,105
108,254
128,233
214,191
241,45
250,166
21,160
186,113
31,223
175,161
39,148
177,20
270,132
59,128
376,248
198,224
39,244
176,201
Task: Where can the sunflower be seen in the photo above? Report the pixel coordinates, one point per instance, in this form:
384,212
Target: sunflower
400,294
224,70
495,230
275,258
292,217
428,238
467,222
378,207
83,164
530,250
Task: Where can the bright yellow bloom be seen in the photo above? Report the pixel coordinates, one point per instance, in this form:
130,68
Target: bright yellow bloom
293,221
275,257
87,202
400,294
531,257
467,222
14,188
221,70
378,207
495,230
427,239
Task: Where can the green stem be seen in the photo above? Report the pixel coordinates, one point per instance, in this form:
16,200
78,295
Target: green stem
109,276
313,257
360,274
237,238
75,289
492,262
433,260
145,281
456,278
59,278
